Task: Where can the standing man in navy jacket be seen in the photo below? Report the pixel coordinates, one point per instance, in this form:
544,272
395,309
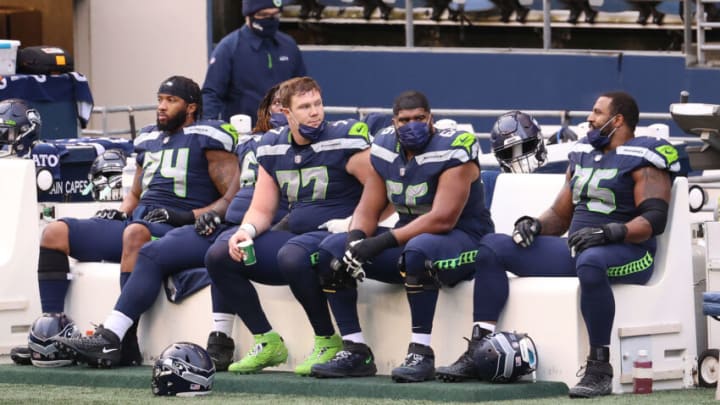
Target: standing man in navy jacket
249,61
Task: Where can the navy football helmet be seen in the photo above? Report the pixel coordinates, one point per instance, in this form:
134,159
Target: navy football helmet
505,356
517,143
43,351
183,369
106,175
19,126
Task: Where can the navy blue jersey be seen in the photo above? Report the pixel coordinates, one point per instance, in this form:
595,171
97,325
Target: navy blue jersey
175,169
313,177
246,151
412,184
602,184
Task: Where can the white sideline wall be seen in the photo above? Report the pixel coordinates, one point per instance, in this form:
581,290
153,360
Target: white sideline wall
19,238
658,317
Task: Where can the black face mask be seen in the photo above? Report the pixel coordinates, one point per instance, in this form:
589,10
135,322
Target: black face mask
265,27
174,123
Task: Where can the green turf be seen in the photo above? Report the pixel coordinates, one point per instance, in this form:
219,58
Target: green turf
283,383
82,385
58,395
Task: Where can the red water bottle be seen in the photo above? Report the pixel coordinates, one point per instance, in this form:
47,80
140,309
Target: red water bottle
642,373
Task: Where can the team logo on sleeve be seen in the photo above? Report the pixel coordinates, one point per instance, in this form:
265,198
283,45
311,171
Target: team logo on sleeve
465,140
360,129
669,153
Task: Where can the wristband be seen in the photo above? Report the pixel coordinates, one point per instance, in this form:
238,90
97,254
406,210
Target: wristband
249,229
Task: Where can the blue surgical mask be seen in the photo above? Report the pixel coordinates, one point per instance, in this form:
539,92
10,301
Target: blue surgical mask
265,27
312,134
414,135
597,139
278,120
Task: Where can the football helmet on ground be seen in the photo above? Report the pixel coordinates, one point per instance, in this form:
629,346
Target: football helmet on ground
504,357
183,369
41,341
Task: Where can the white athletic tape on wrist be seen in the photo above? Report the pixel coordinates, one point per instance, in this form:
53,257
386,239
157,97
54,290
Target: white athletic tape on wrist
249,229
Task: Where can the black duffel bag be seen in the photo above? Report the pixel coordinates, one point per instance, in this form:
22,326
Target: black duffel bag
44,60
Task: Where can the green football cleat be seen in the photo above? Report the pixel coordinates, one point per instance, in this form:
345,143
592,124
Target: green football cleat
269,350
325,349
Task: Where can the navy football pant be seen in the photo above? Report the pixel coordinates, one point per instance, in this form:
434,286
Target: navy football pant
549,256
233,280
452,255
180,249
90,240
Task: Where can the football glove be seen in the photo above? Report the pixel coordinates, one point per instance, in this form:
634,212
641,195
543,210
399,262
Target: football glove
170,216
336,225
589,236
111,214
362,250
206,223
526,228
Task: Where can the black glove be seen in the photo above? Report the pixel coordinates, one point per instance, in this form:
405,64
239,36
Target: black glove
526,228
365,249
170,216
206,223
590,236
111,214
354,235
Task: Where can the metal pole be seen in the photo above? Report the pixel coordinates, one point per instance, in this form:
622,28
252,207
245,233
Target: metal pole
409,33
547,35
687,31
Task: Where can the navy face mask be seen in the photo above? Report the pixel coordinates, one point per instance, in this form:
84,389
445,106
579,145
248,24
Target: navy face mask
413,136
597,139
265,27
312,134
278,120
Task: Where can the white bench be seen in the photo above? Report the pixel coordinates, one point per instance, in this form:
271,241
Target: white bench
658,317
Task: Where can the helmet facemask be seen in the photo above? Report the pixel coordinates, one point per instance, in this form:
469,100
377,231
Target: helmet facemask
517,143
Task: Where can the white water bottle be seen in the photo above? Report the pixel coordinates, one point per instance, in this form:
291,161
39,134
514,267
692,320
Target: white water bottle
128,175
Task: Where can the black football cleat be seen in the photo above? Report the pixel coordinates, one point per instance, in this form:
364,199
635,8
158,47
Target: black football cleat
102,349
131,355
419,365
354,360
596,382
465,367
221,349
20,355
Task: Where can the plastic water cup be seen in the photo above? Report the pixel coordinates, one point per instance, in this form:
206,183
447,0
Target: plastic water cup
248,249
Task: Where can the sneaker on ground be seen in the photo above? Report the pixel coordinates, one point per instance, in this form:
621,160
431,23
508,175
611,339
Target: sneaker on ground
419,365
597,381
221,349
354,360
325,349
20,355
102,349
267,351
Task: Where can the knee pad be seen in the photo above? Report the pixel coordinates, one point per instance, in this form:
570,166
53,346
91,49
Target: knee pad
336,279
53,265
424,280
